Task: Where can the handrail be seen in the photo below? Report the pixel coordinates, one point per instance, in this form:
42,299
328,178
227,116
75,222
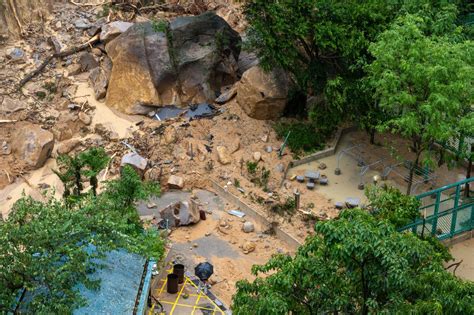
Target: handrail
443,188
441,216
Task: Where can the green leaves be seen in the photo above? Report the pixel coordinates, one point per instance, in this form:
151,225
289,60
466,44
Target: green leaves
50,247
355,264
388,203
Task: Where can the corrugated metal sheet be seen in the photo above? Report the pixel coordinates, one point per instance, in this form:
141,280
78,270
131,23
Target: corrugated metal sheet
120,282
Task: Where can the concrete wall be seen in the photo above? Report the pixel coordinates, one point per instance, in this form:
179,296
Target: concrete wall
255,215
331,150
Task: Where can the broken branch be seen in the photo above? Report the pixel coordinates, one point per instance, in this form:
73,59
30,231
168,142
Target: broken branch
61,54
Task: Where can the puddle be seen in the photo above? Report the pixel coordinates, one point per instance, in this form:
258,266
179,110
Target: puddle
193,111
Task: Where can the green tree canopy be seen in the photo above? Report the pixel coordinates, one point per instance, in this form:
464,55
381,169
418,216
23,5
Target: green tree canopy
44,245
424,84
356,264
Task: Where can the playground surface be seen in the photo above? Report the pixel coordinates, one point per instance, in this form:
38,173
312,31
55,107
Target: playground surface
377,157
464,251
188,300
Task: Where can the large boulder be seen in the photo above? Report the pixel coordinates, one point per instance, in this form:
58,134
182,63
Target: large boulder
113,29
263,95
24,13
32,145
179,63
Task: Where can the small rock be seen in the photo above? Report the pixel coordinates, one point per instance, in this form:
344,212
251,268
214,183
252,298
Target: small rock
269,149
195,245
82,24
223,155
16,54
5,148
280,168
175,182
222,223
10,105
264,138
86,119
135,160
151,205
74,69
208,234
170,135
226,96
257,156
248,247
67,146
87,61
32,144
322,166
248,227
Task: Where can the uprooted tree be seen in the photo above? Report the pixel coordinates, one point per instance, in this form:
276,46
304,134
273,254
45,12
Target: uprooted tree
357,264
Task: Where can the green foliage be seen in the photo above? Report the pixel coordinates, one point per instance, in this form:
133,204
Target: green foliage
40,94
356,264
388,203
93,160
324,45
304,136
72,168
236,183
261,178
159,26
288,207
50,87
252,167
123,193
424,83
45,246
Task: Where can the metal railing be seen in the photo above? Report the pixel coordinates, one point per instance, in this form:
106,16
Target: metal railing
446,213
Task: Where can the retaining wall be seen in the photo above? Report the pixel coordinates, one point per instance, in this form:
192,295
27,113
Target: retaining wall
254,214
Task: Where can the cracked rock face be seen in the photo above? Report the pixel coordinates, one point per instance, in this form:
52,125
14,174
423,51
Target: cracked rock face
182,63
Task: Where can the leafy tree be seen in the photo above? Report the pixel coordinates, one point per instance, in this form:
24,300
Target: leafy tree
388,203
324,45
358,265
94,160
72,168
70,173
122,193
45,246
425,83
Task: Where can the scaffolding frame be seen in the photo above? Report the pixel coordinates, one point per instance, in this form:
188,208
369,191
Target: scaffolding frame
355,152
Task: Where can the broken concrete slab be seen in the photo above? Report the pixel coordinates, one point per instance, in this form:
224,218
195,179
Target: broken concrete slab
135,160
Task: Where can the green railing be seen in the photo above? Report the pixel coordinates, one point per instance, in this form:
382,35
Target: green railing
445,211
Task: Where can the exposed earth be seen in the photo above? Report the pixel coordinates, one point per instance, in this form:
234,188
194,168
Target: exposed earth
110,94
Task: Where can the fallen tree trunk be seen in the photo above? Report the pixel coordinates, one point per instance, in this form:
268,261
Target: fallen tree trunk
61,54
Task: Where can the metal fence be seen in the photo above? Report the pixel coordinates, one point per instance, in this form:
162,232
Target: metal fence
445,211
